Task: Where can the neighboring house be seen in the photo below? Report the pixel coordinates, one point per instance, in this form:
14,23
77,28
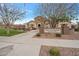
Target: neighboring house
2,26
31,25
20,27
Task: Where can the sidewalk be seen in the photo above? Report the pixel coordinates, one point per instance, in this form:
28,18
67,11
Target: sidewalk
25,45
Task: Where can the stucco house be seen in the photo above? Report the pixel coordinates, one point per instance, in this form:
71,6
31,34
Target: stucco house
59,25
39,20
44,22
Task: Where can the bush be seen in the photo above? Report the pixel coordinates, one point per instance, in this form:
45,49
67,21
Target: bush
54,52
77,29
58,35
38,34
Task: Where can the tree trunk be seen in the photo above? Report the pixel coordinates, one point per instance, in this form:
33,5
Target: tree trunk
54,24
7,29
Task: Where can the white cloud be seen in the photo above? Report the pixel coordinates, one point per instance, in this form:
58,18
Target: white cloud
29,11
74,21
23,21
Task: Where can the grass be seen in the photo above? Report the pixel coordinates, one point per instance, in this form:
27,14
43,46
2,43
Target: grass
3,32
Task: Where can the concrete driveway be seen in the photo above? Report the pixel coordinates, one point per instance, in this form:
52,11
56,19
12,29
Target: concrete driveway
25,45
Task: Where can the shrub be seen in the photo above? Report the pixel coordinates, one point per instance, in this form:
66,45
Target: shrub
58,35
54,52
38,34
77,29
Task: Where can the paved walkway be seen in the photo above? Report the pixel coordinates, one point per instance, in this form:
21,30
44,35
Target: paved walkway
25,45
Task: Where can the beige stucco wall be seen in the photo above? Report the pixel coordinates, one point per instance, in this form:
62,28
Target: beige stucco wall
44,22
26,26
60,23
47,24
30,25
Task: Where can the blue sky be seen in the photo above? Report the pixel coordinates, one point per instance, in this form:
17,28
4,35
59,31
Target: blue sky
30,9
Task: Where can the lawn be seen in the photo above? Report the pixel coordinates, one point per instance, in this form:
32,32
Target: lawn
12,32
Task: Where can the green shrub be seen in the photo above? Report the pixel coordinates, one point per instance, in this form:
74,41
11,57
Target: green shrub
77,29
54,52
58,35
38,34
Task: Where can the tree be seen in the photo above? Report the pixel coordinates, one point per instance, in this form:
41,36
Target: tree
9,15
57,12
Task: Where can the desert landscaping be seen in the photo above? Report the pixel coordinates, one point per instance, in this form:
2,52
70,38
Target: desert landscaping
63,51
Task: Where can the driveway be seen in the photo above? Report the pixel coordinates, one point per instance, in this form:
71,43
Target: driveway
25,45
